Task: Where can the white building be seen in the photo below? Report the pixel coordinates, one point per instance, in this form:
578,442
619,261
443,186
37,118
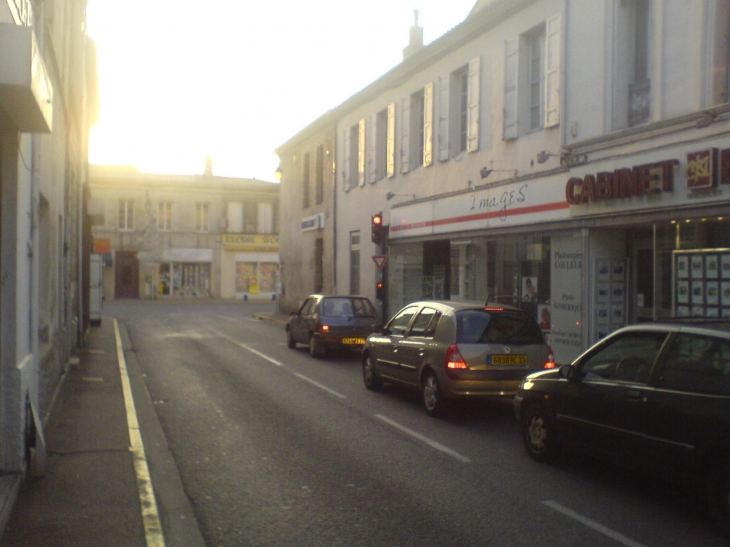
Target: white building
566,157
47,101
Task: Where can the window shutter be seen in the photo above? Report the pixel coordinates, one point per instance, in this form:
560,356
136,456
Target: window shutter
390,162
346,164
552,71
428,124
509,129
361,154
405,163
472,137
444,82
372,146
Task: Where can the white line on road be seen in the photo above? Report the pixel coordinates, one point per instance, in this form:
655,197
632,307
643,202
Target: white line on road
249,348
429,442
320,386
592,524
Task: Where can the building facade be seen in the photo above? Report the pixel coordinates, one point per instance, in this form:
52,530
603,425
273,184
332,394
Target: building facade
48,99
569,158
184,236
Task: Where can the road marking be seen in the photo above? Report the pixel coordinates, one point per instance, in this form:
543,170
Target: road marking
429,442
592,524
249,348
320,386
150,514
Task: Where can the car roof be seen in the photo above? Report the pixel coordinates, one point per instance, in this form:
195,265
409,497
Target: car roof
698,325
458,305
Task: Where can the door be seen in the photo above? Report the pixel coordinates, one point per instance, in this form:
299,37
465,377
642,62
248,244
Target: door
412,348
95,269
126,275
299,325
386,348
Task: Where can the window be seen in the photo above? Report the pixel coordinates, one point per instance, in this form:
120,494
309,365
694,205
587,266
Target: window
417,127
459,111
202,217
318,265
265,224
306,180
425,324
399,324
626,358
319,175
640,87
355,262
350,174
164,216
532,80
126,214
698,364
381,145
631,104
417,130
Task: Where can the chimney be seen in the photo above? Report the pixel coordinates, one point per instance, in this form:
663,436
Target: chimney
209,166
415,42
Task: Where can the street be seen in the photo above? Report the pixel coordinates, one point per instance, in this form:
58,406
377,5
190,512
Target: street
275,447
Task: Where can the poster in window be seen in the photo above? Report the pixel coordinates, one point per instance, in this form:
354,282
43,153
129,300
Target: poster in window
683,292
604,292
698,311
711,266
712,293
604,315
725,293
604,269
712,312
725,312
682,267
725,266
617,292
698,292
682,311
617,270
529,289
617,315
696,266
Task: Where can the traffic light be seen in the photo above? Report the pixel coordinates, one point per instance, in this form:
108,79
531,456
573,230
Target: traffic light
379,291
377,229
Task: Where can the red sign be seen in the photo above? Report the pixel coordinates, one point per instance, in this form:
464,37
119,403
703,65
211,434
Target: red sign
380,261
102,245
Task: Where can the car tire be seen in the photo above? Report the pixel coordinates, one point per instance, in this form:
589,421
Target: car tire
718,495
314,349
371,380
433,399
290,339
538,433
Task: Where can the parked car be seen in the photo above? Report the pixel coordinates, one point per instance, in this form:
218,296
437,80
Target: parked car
450,350
657,395
330,322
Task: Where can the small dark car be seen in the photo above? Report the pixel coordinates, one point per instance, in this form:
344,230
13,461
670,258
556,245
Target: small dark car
450,350
332,322
656,396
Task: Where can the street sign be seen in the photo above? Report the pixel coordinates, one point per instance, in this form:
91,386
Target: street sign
380,261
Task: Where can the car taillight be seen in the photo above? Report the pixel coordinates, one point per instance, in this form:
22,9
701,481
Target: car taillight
454,360
550,362
324,329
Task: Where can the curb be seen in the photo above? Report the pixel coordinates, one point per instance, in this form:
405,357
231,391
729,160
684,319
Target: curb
270,318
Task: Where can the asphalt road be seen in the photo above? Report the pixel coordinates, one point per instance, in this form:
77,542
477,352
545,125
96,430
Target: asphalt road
277,448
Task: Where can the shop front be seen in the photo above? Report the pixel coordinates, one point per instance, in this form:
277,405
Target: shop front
584,251
185,273
250,266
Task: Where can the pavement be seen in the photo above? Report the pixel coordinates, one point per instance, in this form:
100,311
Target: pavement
94,491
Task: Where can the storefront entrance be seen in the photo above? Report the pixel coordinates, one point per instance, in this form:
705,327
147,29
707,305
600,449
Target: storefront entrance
126,275
184,279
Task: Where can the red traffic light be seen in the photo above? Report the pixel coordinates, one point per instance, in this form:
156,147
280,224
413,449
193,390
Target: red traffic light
377,229
377,219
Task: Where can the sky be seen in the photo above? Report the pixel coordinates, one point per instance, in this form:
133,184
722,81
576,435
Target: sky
181,80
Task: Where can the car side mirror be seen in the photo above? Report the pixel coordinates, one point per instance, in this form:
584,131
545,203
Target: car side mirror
378,328
570,373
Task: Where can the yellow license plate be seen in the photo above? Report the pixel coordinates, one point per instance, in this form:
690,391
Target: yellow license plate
360,341
507,359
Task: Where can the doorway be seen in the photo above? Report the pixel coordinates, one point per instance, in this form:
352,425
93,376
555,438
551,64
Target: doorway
126,275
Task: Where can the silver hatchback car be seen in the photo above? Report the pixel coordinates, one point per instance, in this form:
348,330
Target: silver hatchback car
451,350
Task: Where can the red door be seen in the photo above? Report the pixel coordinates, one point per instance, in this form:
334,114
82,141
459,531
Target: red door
126,275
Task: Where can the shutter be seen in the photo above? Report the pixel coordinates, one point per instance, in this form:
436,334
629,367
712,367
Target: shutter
346,164
472,137
372,146
405,150
361,154
428,124
444,82
509,129
552,71
390,161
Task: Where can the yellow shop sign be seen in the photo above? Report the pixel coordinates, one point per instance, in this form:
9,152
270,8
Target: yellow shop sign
251,242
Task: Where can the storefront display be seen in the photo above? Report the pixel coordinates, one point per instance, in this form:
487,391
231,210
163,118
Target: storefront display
701,286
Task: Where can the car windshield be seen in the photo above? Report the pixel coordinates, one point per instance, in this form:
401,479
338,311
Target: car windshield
496,327
348,307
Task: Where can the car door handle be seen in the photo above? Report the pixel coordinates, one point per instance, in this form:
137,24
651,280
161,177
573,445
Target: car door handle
635,395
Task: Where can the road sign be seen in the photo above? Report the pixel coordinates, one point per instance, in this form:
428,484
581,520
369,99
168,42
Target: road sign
380,261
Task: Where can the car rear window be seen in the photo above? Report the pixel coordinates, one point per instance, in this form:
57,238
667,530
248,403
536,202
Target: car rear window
348,307
496,327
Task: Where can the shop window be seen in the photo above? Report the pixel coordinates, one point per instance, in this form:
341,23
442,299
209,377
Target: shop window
355,262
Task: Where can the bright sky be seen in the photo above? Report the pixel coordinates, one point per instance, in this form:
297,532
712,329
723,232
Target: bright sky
234,79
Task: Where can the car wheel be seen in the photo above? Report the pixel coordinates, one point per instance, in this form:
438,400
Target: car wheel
433,400
314,349
718,495
290,339
372,382
537,433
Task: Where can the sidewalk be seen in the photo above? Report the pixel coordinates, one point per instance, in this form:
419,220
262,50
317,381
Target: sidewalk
89,494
